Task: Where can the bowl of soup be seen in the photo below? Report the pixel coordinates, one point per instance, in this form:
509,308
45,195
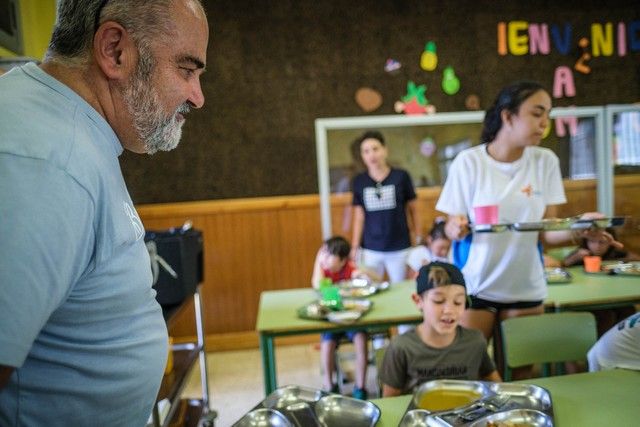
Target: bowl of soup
447,395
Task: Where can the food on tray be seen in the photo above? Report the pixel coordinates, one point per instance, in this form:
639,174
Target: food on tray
443,399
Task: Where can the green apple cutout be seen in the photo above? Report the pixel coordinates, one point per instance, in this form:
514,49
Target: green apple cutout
450,83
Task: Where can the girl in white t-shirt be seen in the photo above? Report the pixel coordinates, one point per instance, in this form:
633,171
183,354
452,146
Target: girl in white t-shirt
434,248
505,277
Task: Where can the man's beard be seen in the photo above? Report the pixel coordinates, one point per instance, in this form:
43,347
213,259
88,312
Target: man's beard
154,128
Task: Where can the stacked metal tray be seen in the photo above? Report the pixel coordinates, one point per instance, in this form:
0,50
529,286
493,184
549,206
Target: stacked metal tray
295,406
557,275
552,225
360,288
478,404
352,309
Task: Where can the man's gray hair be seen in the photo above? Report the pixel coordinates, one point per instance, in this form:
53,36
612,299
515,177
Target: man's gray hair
78,20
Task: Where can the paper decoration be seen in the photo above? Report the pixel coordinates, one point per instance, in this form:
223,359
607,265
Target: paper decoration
562,121
581,65
429,58
368,99
472,102
415,101
622,39
427,147
563,84
415,92
547,131
392,65
450,83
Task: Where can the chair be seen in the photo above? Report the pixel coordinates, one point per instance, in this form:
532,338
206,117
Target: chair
547,338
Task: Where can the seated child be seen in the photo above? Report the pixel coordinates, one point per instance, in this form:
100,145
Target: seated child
436,249
603,244
439,348
618,348
332,261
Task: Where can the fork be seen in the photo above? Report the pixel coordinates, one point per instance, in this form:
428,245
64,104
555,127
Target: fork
490,404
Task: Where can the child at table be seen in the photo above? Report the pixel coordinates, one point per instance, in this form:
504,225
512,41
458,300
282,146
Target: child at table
436,249
599,243
603,243
439,348
332,262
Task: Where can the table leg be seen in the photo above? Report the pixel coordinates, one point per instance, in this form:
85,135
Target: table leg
268,363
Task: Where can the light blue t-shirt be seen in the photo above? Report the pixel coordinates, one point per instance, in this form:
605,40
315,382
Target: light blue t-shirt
78,316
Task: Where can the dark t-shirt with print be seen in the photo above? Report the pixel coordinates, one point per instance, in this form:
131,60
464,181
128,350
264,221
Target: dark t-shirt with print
409,362
384,204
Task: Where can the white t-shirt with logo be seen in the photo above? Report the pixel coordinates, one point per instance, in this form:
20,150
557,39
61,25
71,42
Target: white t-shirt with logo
504,267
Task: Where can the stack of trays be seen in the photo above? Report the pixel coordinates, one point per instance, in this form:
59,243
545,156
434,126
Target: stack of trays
557,275
352,310
294,406
360,288
446,403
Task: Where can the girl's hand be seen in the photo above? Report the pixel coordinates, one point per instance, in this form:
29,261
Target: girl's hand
457,227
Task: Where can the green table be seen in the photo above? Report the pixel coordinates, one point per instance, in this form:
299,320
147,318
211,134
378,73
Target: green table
277,317
589,291
606,398
277,310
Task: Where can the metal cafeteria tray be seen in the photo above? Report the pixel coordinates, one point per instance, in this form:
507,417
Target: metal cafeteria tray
551,224
498,402
360,288
557,275
352,310
295,406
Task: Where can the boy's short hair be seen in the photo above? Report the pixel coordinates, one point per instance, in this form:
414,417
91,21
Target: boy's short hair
338,246
437,274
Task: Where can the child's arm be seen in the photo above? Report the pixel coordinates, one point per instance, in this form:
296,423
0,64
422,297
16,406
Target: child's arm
575,257
388,391
317,271
358,226
493,376
632,256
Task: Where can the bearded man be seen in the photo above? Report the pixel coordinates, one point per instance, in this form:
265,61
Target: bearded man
82,339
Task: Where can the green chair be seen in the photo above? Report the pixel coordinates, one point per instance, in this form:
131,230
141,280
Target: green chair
547,338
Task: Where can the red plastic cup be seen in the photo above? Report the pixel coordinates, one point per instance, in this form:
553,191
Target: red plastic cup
486,214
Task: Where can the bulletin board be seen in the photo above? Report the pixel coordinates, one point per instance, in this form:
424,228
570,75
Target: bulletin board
275,67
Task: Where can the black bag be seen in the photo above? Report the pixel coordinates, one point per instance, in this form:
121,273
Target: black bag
176,263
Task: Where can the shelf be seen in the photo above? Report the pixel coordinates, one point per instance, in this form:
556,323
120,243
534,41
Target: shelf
190,412
184,356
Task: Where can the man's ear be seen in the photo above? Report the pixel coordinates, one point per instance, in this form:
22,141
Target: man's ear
114,51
